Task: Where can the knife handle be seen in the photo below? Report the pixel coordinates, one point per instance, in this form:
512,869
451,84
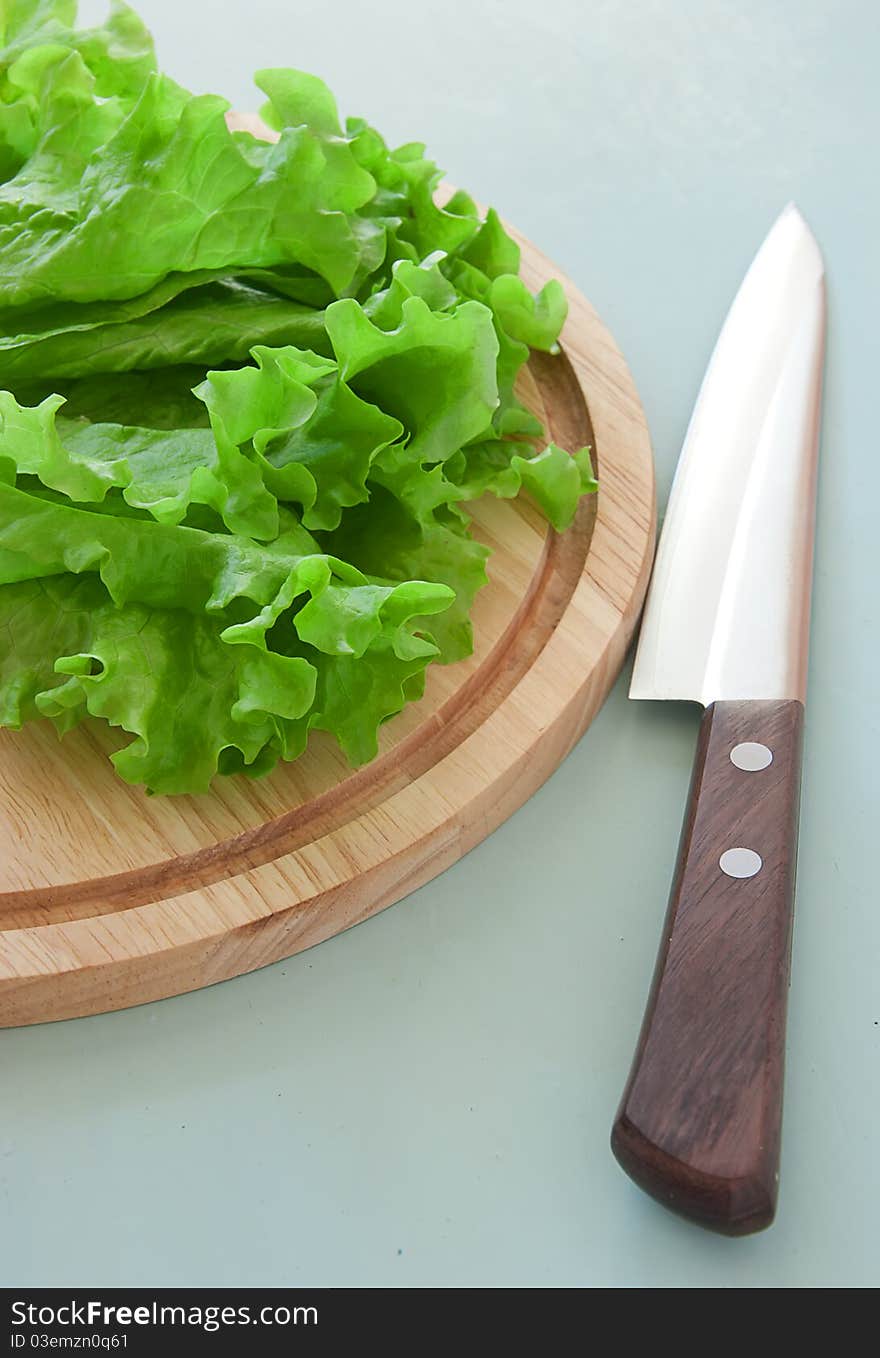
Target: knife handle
700,1120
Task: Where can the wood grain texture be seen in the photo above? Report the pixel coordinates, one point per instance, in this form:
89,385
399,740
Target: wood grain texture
700,1120
109,898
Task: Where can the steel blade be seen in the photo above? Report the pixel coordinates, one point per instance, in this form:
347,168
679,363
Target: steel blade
728,609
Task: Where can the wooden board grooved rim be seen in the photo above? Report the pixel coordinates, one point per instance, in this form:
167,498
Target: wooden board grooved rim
476,749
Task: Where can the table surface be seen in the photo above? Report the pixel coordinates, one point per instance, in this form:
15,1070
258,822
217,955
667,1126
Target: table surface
427,1099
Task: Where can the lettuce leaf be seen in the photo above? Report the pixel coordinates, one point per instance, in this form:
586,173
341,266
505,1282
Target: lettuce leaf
248,390
200,196
194,703
212,323
119,55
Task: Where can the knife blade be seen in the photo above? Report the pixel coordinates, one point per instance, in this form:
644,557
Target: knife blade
727,624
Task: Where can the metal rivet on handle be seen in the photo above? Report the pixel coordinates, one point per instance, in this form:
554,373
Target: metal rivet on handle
740,862
751,756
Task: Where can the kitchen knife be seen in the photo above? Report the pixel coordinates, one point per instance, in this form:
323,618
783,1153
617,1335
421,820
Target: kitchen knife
726,625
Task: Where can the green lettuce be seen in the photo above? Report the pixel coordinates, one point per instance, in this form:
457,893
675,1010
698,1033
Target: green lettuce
247,392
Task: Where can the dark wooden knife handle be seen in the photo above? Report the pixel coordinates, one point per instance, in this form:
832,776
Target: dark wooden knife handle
700,1120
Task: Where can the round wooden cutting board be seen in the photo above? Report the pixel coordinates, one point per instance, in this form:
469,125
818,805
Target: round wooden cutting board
109,898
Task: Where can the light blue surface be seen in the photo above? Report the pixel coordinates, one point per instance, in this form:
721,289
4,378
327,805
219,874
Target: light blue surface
427,1099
